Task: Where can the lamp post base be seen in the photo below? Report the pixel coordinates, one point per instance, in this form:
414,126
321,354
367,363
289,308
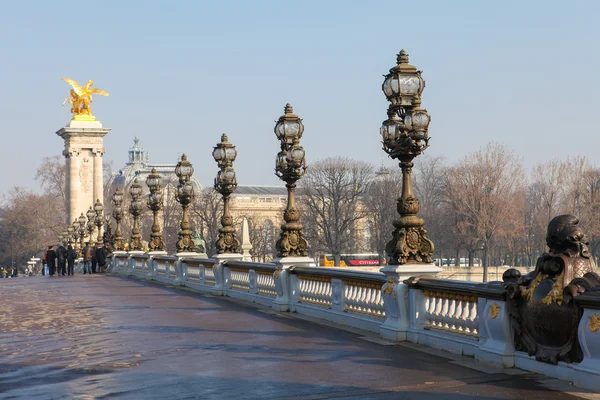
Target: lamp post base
396,298
281,277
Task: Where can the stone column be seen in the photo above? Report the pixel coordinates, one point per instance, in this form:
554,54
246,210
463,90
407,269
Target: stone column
98,179
83,141
72,159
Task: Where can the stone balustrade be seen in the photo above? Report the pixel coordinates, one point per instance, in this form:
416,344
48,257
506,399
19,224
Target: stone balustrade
460,317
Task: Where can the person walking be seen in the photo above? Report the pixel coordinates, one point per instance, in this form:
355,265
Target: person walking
94,261
71,257
88,254
51,260
61,258
100,257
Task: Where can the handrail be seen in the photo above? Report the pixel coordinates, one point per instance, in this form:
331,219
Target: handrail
374,277
589,300
165,258
251,265
489,290
139,256
200,261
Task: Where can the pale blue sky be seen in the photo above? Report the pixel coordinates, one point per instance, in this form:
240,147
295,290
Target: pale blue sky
180,73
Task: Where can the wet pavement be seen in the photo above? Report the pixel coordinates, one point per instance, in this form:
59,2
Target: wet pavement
106,337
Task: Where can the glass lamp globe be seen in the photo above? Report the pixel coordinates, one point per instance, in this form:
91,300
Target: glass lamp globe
135,189
295,155
90,214
118,196
403,82
184,169
281,161
153,180
289,126
82,221
98,207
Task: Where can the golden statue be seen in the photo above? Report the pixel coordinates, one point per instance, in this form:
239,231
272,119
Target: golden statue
81,98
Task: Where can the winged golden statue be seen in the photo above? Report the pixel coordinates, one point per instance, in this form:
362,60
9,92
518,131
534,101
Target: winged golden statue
81,98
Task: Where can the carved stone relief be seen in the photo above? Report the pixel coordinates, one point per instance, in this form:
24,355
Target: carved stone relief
85,175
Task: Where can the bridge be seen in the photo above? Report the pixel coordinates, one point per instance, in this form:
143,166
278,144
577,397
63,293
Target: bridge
166,327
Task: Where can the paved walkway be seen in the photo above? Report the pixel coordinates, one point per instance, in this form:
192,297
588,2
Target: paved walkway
104,337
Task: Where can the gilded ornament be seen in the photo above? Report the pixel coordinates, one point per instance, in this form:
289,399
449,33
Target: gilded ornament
389,288
494,310
594,323
80,99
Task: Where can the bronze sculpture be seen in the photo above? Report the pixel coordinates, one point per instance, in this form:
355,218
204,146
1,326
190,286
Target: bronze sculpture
81,98
544,317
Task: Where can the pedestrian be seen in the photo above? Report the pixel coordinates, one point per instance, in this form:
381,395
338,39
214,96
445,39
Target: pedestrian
45,263
51,260
100,257
94,261
88,253
61,258
71,257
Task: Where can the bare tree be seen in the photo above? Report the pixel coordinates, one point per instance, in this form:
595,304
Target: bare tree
380,205
29,223
207,210
331,194
52,176
430,177
482,188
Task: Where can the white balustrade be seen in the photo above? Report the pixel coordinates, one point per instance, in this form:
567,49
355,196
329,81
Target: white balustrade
455,313
239,279
265,283
363,297
314,290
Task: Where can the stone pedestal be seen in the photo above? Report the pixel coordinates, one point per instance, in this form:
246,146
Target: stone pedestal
83,151
246,245
282,280
395,297
221,280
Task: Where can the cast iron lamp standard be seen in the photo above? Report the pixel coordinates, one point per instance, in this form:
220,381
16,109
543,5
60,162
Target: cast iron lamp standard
117,199
290,166
91,215
75,227
224,154
135,209
405,136
99,220
185,196
81,233
155,202
70,235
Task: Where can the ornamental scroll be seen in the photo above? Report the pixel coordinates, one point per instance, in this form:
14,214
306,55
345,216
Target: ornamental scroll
544,317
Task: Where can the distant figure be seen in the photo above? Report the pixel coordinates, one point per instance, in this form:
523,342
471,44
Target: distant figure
100,257
51,260
94,260
71,257
61,258
88,253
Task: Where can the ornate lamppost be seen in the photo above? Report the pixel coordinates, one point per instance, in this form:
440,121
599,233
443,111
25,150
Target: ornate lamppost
99,220
224,154
70,235
135,209
117,200
91,215
185,195
405,136
75,226
290,166
155,202
81,233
